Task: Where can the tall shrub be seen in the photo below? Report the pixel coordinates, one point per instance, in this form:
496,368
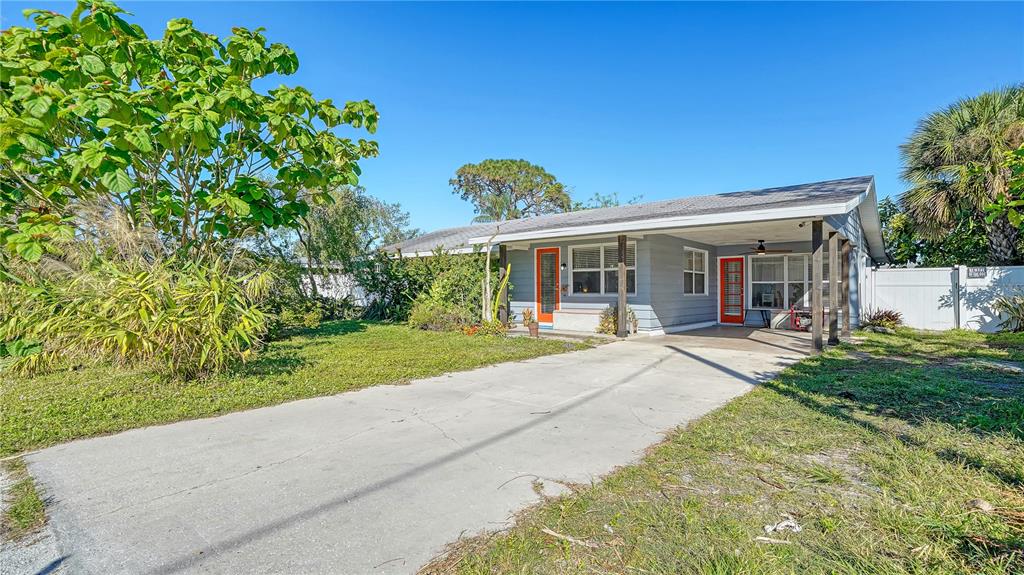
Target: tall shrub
395,285
188,316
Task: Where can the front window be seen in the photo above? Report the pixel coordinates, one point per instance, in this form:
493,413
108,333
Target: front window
782,282
595,269
695,271
768,281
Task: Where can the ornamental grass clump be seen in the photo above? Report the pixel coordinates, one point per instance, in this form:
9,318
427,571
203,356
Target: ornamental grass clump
191,317
1011,310
883,318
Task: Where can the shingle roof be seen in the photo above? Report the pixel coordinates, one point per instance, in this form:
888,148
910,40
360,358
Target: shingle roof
803,195
447,239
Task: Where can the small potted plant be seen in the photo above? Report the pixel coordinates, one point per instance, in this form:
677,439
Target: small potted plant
530,322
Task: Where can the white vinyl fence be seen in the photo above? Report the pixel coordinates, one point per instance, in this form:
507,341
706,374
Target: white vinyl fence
339,286
943,298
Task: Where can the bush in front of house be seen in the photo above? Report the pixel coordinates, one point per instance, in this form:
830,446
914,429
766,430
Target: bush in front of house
395,284
609,323
439,316
441,291
883,318
188,316
454,298
490,328
289,311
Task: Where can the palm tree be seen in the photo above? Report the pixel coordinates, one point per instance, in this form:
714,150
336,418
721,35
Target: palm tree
954,164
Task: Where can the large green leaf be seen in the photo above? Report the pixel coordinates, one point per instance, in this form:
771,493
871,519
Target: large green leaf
34,144
38,106
30,251
92,64
117,181
140,139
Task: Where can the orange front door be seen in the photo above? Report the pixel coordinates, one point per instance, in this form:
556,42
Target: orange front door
547,284
730,276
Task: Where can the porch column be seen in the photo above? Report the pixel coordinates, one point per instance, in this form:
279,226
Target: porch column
844,295
623,329
817,305
833,288
503,295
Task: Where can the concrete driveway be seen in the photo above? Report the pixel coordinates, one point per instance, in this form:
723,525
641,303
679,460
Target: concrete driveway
379,480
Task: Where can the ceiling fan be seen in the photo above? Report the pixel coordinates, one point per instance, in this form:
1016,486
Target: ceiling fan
760,250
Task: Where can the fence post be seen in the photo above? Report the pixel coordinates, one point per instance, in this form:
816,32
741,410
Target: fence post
956,296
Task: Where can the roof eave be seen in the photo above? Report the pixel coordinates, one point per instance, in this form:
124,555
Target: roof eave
819,210
871,225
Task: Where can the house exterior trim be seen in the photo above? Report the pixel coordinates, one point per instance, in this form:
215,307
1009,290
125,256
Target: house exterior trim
680,222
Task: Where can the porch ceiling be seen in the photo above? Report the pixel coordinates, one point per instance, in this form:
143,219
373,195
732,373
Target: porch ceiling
775,231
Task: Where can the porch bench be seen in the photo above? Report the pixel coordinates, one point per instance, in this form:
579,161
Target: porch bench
577,319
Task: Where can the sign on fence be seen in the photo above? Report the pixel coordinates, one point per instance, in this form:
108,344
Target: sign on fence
976,272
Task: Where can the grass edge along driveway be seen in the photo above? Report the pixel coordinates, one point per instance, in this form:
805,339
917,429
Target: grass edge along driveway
338,357
904,454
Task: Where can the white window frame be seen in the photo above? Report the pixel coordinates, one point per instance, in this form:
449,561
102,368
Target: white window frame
604,268
785,279
705,272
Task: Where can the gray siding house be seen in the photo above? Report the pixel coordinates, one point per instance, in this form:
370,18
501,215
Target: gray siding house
740,258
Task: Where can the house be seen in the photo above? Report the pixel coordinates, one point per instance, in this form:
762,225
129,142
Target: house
740,258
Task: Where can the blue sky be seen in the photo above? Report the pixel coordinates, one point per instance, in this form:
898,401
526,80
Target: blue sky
657,100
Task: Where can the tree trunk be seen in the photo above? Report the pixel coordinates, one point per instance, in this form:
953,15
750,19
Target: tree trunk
1002,242
309,267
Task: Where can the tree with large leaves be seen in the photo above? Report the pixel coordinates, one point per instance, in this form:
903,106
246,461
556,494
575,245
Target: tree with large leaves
955,164
508,189
965,244
171,131
1011,205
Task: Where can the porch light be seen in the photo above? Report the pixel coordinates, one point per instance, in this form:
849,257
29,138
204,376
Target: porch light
562,266
760,249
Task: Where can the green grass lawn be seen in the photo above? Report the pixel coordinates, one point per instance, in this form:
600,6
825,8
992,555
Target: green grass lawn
879,452
24,511
340,356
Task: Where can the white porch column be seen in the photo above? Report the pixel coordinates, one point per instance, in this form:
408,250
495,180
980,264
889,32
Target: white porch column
623,329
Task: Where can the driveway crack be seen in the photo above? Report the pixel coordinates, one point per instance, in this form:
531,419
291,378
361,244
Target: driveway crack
256,469
441,430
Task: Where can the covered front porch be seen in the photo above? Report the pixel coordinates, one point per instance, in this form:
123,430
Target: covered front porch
775,274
